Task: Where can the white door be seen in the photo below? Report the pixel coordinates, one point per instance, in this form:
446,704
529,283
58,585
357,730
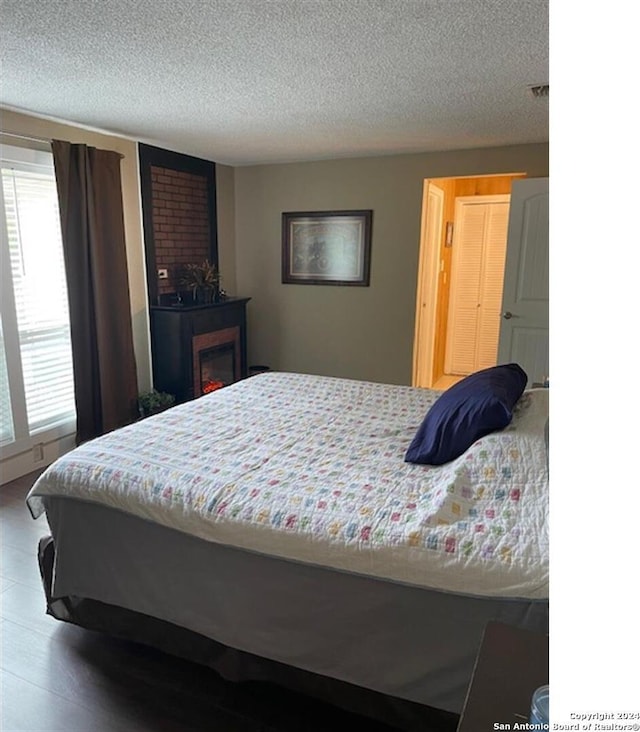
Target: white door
524,325
479,246
427,296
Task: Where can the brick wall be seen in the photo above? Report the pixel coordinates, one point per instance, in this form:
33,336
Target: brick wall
180,222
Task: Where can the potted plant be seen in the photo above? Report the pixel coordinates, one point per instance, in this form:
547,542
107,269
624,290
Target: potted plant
203,280
152,402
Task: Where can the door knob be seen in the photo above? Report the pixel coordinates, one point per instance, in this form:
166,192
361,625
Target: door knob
507,315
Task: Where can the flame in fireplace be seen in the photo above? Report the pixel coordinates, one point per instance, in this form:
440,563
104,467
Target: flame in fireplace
211,385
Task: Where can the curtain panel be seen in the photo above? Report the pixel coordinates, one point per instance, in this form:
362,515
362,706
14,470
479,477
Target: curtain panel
92,221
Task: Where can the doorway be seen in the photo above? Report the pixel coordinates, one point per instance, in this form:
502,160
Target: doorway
435,326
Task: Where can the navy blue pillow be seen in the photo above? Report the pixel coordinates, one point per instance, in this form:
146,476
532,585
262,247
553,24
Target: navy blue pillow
477,405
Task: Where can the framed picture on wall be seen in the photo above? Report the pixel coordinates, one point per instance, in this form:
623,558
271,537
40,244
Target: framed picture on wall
326,247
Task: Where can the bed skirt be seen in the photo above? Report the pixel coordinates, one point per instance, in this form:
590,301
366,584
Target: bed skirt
231,664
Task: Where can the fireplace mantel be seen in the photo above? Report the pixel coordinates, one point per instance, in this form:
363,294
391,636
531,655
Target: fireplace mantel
175,329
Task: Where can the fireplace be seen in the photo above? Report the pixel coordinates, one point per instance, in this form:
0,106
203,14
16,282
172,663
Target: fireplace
216,360
217,368
198,348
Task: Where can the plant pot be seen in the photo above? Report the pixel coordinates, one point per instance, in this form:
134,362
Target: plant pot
205,295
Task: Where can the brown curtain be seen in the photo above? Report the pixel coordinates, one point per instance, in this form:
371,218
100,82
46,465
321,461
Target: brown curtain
90,197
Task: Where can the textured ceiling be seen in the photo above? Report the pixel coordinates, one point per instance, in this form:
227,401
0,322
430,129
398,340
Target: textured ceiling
258,81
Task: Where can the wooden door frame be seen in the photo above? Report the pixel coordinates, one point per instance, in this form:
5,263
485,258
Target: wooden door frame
430,350
427,291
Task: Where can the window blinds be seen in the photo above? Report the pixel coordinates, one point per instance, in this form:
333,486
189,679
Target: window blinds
40,293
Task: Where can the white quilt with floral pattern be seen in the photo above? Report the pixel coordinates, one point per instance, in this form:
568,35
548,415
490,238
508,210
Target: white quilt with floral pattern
312,469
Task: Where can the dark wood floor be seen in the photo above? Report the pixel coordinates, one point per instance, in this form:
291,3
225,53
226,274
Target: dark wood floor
57,676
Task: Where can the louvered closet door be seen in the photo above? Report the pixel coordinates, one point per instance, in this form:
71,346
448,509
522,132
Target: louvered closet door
477,278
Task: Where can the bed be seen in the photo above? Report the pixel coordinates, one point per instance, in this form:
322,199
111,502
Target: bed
278,519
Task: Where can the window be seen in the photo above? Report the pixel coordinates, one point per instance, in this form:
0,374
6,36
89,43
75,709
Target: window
6,415
36,371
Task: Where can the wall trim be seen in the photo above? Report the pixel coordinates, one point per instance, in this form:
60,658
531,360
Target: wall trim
23,463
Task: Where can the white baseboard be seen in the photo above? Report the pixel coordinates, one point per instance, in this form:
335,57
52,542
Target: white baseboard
23,463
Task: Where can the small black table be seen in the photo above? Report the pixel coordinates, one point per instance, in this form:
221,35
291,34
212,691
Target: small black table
511,664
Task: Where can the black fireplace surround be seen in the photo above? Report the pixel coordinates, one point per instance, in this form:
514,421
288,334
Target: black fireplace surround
179,333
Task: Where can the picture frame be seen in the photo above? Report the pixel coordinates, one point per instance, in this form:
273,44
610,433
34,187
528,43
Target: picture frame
326,247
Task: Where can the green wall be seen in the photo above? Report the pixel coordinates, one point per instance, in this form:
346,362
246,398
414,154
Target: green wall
353,332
